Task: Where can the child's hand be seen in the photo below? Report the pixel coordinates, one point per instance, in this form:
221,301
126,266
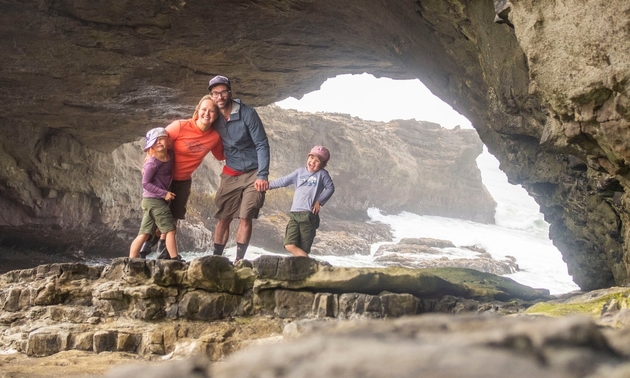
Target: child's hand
169,196
316,207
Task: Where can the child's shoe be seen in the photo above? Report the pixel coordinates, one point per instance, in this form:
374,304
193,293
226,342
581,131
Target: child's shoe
145,250
178,258
162,251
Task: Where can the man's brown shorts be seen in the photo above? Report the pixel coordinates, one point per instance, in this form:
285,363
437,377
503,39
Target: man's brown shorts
238,198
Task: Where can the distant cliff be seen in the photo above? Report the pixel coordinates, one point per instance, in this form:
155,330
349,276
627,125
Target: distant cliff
400,165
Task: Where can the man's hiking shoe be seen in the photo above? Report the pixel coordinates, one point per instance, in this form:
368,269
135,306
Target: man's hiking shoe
178,258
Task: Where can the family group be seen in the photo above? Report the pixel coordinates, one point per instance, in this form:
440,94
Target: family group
233,132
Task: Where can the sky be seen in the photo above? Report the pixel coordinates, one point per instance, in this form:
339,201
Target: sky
383,100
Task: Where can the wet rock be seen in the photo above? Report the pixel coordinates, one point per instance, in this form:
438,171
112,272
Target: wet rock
210,307
105,341
201,305
434,253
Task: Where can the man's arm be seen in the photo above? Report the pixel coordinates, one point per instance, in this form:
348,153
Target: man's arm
259,137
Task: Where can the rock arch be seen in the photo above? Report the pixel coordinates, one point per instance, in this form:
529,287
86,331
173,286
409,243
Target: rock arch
544,84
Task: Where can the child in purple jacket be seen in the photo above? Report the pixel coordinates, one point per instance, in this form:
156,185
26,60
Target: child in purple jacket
313,188
157,174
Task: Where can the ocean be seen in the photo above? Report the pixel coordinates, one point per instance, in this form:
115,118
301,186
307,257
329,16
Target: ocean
520,231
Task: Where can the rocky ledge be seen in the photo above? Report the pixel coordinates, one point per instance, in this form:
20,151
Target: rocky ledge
210,307
437,253
295,317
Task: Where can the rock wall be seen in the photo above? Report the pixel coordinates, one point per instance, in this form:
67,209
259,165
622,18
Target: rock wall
544,83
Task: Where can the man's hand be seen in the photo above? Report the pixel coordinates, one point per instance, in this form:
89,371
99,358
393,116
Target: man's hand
169,196
261,185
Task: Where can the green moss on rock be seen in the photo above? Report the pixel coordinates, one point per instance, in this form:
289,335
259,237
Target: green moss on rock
582,305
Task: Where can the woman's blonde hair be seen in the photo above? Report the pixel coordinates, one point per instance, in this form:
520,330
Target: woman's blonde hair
204,98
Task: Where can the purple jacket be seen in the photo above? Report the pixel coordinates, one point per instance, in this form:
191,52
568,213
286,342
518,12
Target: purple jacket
157,176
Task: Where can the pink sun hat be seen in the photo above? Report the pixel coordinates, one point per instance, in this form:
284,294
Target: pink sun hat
321,152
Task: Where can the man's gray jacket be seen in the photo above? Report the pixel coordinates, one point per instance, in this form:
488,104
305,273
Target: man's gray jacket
245,142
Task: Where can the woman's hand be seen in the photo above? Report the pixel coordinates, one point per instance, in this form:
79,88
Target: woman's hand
169,196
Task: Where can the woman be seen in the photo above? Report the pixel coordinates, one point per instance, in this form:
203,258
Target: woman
192,140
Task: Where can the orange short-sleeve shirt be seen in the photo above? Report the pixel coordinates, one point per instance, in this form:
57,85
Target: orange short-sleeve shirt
191,145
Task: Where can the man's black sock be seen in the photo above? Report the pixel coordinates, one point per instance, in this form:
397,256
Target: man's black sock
218,249
240,250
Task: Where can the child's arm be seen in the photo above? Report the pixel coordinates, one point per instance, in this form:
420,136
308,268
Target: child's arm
329,189
283,181
147,178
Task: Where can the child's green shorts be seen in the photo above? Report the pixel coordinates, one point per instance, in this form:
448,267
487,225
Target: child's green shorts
301,229
156,213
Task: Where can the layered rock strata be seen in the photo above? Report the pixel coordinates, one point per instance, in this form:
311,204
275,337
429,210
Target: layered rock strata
153,307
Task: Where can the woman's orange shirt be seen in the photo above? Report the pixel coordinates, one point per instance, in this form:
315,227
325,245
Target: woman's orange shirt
191,145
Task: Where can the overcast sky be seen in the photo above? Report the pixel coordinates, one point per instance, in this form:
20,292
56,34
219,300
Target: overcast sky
369,98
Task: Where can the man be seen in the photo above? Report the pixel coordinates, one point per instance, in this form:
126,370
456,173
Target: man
244,179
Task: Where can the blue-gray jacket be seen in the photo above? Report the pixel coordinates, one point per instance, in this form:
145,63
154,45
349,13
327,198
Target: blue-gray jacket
244,140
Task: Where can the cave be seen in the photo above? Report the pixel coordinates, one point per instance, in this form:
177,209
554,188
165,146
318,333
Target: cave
545,85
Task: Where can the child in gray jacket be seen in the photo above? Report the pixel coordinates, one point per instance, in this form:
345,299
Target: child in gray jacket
313,188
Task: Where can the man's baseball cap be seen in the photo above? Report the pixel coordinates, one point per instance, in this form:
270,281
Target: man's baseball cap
219,80
153,135
321,152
